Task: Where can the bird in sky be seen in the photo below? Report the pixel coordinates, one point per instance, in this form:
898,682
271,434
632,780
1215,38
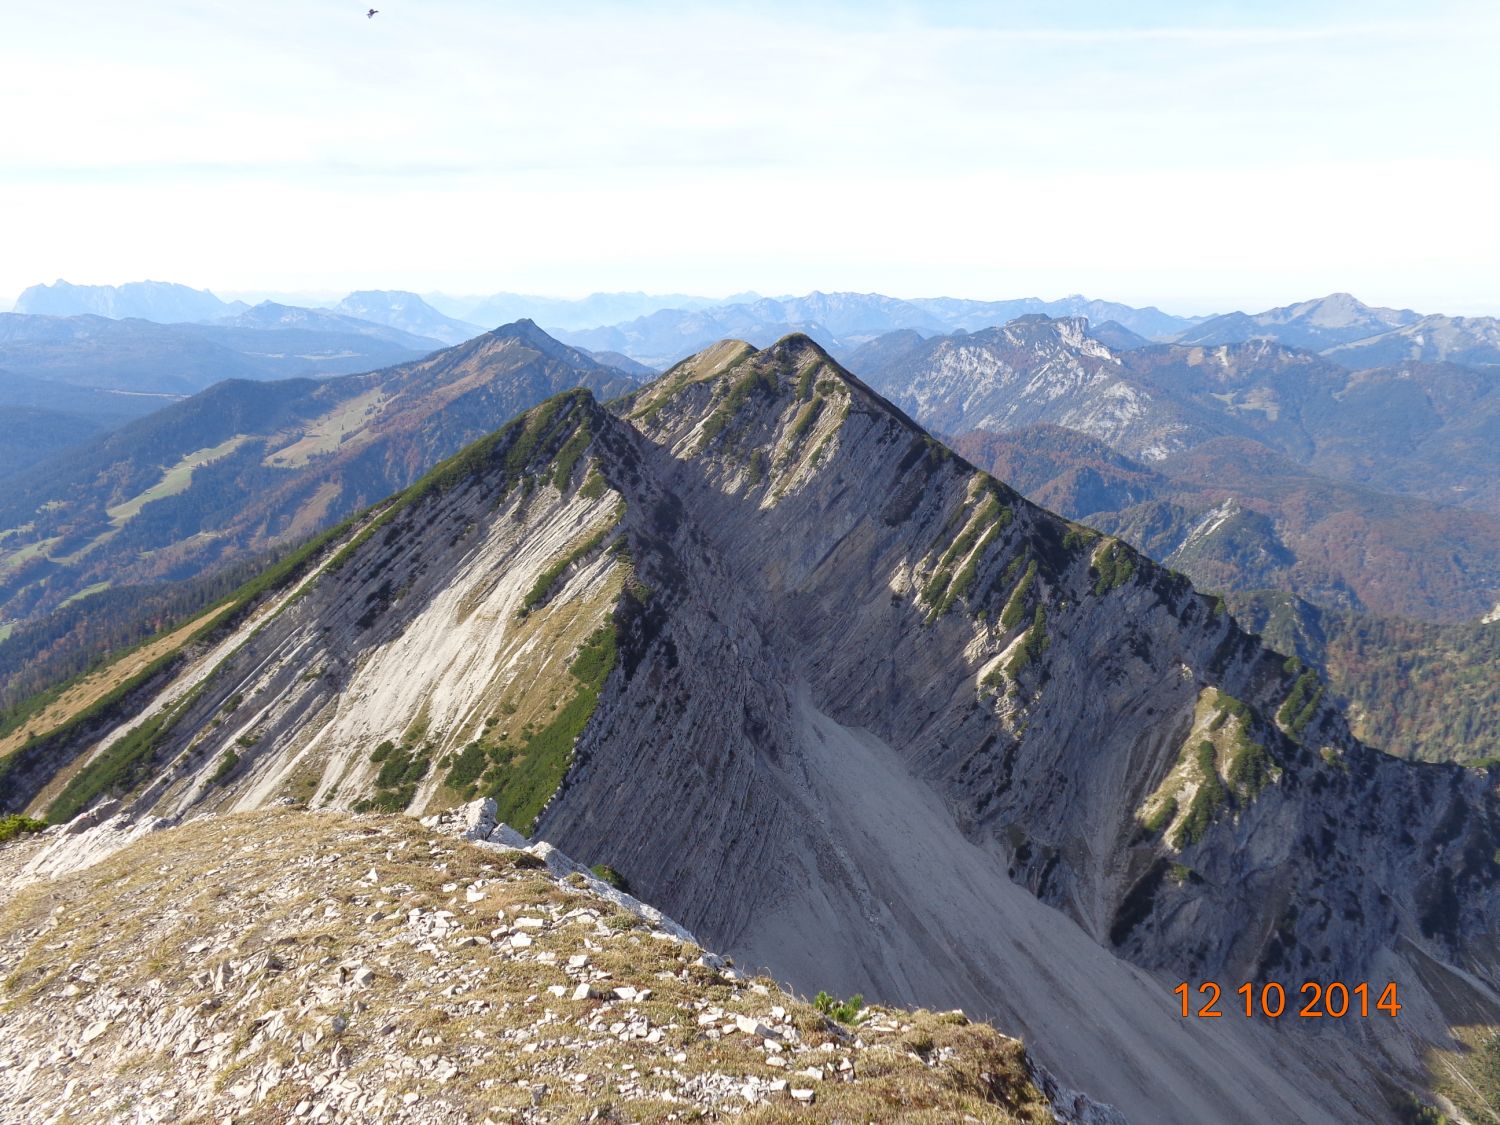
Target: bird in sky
372,13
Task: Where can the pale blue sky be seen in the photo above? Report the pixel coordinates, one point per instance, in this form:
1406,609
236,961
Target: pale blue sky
1196,156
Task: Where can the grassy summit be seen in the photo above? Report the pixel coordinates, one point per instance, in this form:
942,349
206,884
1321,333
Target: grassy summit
361,968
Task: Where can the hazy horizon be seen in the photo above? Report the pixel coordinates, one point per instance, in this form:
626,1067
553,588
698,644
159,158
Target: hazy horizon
1196,158
330,297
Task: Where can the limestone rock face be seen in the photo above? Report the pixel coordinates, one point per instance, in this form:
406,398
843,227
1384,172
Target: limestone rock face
855,713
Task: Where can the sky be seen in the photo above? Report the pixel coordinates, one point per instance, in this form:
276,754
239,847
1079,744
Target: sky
1197,156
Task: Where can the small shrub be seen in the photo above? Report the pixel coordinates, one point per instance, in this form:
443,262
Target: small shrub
845,1011
1032,645
403,768
465,768
1412,1111
757,470
1015,609
1078,537
1249,767
593,485
1162,817
1302,703
936,587
607,873
568,455
225,767
963,582
805,382
805,420
16,824
1206,802
1114,568
981,522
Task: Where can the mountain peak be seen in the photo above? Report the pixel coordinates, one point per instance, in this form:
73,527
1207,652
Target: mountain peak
798,346
408,312
526,331
778,412
1316,324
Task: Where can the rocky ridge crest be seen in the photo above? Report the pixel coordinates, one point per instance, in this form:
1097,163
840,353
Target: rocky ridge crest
289,965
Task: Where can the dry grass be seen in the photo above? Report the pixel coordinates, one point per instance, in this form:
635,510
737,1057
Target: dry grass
219,969
326,434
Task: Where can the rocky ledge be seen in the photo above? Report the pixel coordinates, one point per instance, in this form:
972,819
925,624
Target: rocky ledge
288,965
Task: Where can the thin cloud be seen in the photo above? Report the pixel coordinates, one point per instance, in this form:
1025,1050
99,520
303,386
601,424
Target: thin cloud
1148,153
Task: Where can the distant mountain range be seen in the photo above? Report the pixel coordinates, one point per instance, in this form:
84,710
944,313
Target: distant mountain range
1246,465
246,465
162,301
656,330
558,313
1357,336
1149,322
1351,334
140,356
842,322
1314,325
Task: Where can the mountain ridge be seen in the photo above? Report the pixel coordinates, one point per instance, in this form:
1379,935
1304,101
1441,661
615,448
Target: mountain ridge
755,575
246,465
1402,456
1315,325
140,356
161,301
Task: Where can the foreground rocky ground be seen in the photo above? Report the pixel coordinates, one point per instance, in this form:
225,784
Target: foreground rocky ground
286,965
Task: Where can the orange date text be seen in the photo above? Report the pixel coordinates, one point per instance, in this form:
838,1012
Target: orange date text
1272,1000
